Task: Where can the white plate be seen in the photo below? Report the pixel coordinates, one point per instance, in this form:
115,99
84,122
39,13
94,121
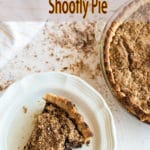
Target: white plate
16,126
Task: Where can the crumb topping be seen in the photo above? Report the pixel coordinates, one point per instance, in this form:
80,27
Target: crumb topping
130,58
54,130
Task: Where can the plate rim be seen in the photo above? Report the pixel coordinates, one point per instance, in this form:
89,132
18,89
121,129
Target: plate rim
82,81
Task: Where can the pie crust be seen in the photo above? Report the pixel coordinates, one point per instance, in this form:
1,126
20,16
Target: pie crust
127,58
59,127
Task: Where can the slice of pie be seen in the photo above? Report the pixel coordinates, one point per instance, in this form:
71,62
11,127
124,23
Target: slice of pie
127,58
59,127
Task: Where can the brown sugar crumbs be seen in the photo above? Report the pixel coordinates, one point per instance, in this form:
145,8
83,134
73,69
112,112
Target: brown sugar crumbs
25,109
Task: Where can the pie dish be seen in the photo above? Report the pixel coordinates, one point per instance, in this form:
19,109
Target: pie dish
126,57
59,127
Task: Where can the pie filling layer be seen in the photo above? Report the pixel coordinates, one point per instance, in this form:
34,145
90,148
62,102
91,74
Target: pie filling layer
54,130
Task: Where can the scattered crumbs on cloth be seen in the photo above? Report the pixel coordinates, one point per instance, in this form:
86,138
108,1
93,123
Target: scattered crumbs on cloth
71,49
25,109
78,35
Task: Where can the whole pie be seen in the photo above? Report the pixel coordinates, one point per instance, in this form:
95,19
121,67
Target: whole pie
127,58
59,127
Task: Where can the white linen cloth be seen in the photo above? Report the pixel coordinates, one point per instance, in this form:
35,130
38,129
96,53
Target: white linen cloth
14,36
